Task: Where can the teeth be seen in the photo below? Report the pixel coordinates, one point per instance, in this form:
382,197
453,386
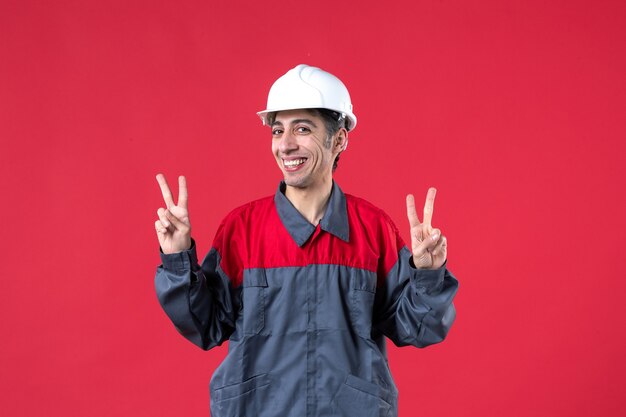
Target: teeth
294,162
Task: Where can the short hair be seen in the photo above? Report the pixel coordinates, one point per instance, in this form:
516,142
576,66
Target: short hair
333,121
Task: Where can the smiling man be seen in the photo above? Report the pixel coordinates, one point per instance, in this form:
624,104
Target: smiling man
305,285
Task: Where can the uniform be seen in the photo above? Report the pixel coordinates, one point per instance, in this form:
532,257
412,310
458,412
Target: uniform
305,308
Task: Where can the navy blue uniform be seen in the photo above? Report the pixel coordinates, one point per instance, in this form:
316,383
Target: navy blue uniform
305,308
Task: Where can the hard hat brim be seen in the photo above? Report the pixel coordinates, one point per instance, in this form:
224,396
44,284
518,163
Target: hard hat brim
351,118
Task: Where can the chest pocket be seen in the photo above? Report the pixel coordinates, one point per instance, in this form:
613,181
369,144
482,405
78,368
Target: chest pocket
362,292
253,300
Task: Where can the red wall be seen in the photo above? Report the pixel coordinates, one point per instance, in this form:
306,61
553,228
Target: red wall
514,110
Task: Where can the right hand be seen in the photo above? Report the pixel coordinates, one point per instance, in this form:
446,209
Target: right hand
173,227
428,245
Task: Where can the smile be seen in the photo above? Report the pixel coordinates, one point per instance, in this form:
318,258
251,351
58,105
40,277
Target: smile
293,163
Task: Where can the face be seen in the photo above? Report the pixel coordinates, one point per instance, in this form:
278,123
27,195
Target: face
301,149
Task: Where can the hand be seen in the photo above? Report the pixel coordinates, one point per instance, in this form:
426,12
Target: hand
428,245
173,227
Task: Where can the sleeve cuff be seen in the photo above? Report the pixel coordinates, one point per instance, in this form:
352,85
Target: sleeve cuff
427,280
184,260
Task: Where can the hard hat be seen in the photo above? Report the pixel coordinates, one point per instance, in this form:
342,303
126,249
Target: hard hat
305,87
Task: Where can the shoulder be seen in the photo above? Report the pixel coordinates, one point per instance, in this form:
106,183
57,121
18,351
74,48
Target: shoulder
371,220
240,220
249,210
365,210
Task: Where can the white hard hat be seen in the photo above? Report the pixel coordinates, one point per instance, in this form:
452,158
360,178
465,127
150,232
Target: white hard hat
305,87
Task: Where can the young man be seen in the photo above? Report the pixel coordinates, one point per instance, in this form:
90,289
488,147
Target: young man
305,284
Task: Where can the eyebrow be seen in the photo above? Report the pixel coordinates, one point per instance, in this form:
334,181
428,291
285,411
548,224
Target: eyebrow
296,121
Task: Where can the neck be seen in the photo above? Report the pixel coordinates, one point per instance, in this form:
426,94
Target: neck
311,202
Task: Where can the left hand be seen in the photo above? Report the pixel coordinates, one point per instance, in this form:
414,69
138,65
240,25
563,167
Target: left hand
428,245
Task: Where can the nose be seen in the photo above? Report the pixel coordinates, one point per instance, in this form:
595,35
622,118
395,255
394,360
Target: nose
287,142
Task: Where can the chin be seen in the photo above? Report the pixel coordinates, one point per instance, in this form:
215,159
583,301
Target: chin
295,182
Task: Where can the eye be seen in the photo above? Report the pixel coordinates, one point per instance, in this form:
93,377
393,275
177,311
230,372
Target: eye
276,131
302,129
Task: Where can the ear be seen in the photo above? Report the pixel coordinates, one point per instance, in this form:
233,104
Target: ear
340,142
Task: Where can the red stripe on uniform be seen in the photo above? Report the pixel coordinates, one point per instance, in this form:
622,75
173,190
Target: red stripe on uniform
253,236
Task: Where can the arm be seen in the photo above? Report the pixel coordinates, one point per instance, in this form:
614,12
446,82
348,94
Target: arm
414,303
197,299
414,306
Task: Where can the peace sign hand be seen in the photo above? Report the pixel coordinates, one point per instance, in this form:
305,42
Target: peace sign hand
428,246
173,227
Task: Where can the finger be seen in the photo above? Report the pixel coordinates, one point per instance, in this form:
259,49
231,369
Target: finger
429,207
435,235
411,212
428,244
165,190
440,247
175,221
163,218
182,192
159,227
417,235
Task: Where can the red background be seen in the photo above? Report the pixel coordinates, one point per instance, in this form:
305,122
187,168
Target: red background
514,110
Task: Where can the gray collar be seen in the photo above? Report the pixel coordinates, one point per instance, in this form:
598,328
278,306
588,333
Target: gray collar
335,220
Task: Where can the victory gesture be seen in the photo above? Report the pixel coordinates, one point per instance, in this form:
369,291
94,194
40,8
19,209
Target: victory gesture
428,246
173,227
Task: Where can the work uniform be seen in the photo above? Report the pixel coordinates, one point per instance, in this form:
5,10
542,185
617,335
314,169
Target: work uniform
305,308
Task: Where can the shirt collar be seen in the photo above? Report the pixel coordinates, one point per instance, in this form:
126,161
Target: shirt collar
335,220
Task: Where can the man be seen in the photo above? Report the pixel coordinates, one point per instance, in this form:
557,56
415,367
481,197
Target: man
306,284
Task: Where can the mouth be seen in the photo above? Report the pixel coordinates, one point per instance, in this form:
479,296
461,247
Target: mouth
293,164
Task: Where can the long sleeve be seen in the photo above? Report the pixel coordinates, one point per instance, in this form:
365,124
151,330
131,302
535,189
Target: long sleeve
199,301
413,306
